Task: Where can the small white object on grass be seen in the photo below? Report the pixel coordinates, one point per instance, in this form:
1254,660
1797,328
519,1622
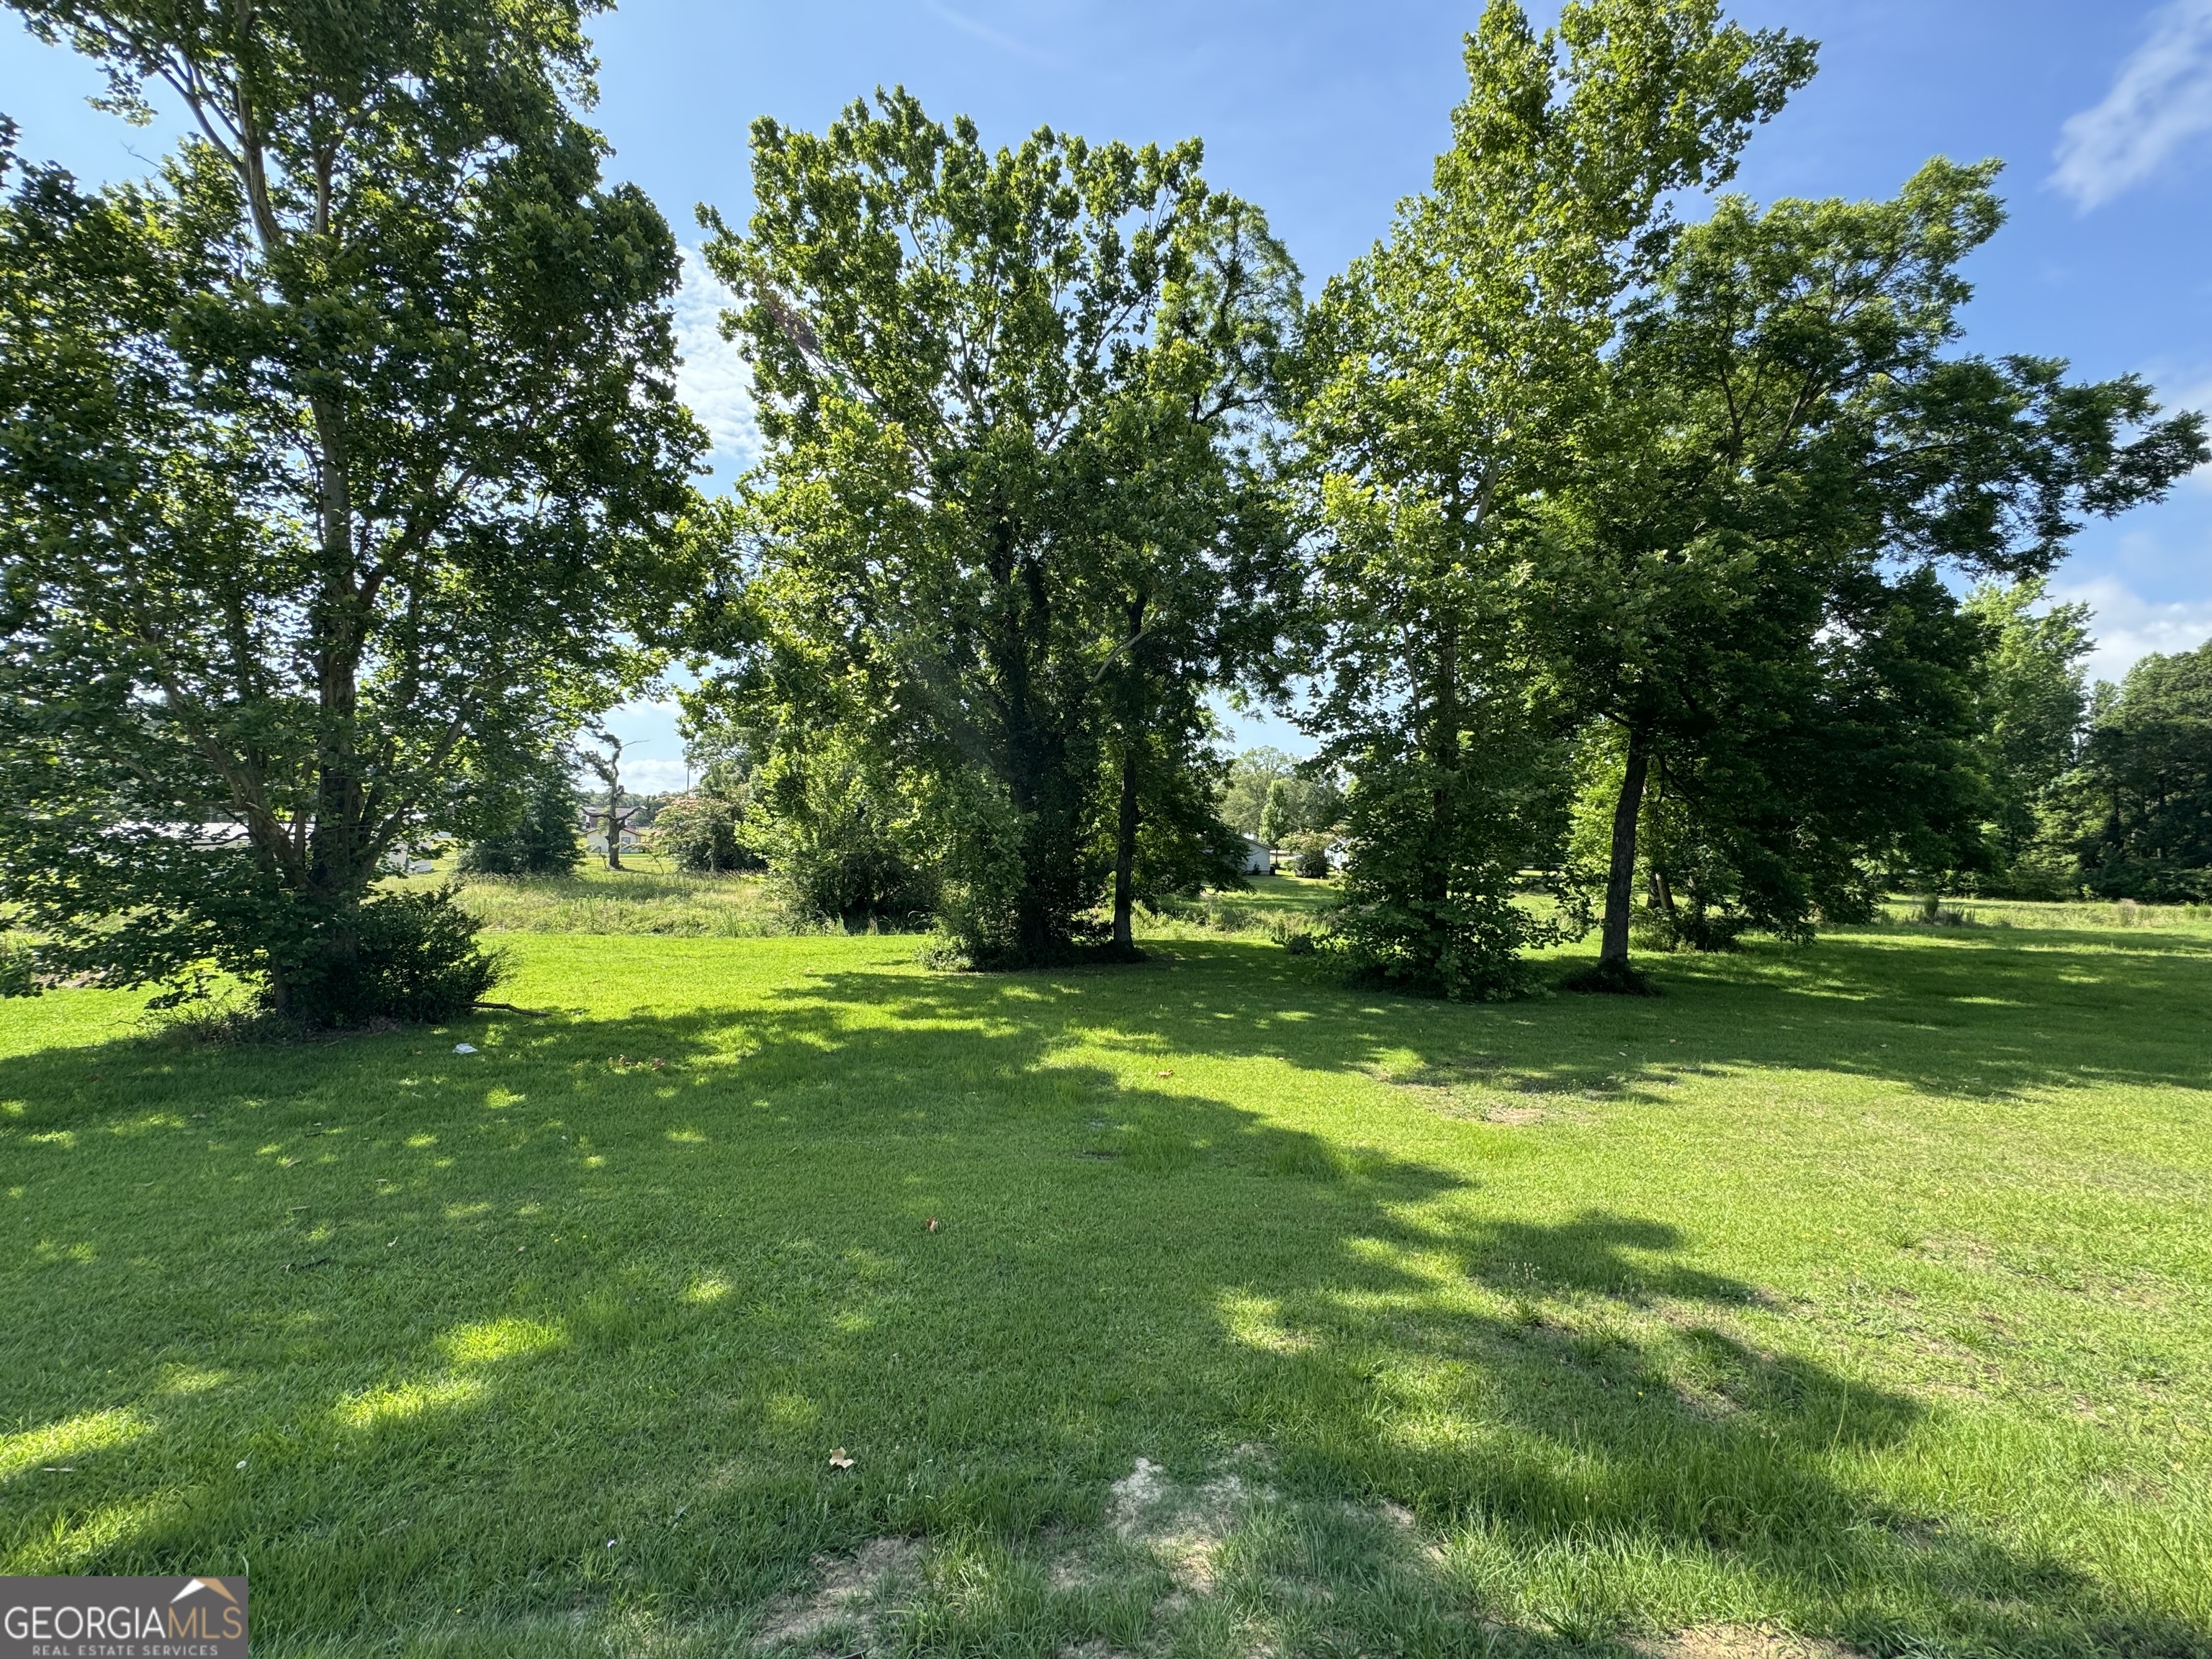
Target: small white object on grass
465,1047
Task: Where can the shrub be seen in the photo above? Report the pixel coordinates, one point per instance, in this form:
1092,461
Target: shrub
1607,977
1689,928
411,956
838,847
19,969
1312,863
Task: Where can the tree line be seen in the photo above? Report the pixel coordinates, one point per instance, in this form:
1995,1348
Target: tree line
1595,522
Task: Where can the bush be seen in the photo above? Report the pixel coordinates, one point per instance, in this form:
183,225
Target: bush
838,848
408,957
19,969
1312,863
1689,928
1607,977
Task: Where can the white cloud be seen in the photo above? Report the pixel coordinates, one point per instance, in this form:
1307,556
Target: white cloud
2160,98
654,777
714,381
2128,628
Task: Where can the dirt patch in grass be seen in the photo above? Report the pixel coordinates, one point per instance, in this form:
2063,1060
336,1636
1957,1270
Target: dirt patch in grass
1181,1526
1742,1642
848,1588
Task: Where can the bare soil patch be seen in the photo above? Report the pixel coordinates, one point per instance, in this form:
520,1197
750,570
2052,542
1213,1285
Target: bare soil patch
847,1587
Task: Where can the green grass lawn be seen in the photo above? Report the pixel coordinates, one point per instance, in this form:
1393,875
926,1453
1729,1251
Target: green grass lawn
1863,1291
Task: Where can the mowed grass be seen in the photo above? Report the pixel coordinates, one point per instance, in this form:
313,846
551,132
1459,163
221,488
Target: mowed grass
1863,1291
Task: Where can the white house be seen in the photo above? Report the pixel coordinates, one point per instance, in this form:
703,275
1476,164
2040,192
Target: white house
1259,858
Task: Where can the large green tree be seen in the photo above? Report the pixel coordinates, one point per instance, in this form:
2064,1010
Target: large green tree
1740,581
1009,486
1454,368
2034,708
335,461
2139,805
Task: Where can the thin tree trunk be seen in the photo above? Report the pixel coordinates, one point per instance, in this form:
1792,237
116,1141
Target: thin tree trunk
1125,827
1620,877
1444,747
1124,855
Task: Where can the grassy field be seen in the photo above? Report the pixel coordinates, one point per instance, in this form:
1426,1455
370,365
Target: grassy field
1862,1291
649,896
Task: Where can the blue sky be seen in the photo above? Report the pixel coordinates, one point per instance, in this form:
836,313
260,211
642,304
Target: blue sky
1327,113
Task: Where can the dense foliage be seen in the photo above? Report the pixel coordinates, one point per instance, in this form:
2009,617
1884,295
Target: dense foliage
1010,528
543,839
2136,813
339,462
1611,533
1742,584
1457,369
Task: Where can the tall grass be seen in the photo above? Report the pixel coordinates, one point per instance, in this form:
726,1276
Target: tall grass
2079,914
659,901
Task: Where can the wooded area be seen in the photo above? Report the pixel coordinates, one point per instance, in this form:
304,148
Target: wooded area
1605,533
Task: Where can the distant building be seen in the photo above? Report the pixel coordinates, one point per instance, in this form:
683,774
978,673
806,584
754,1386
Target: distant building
1258,857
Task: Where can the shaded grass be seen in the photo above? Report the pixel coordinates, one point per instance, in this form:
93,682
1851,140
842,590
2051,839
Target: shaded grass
1859,1289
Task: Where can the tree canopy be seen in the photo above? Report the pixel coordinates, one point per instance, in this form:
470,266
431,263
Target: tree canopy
1742,584
341,463
1008,527
1615,534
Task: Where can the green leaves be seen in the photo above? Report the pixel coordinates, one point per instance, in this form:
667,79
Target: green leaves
341,460
1458,373
1013,404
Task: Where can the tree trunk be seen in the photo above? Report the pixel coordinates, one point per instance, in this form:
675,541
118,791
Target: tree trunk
1124,855
1443,746
1620,877
339,870
1125,827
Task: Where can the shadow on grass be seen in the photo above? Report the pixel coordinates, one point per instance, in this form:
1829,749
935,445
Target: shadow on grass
573,1325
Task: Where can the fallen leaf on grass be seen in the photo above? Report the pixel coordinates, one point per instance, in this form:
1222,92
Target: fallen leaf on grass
840,1460
1163,1074
932,1224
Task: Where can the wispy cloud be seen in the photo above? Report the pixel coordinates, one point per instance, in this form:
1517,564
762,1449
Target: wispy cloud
968,25
2160,101
2129,627
714,381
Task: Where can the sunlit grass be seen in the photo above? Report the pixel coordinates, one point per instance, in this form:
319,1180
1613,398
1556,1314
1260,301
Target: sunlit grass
1863,1291
649,895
